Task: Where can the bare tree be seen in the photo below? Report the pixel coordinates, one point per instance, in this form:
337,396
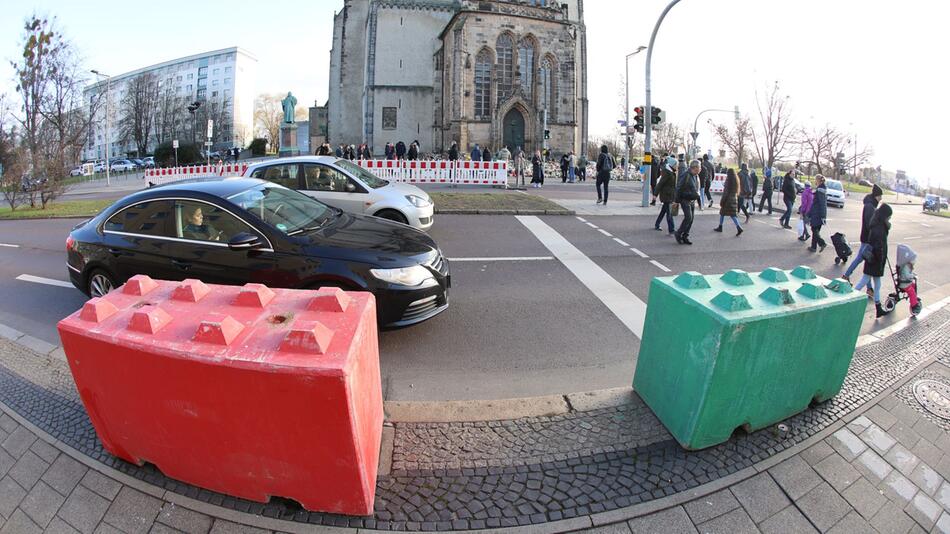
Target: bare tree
219,111
736,139
819,146
11,158
669,139
169,114
774,133
268,114
138,110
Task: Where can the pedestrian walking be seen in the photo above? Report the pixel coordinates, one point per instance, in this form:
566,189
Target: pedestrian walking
710,175
871,202
476,153
729,204
755,189
817,214
789,193
400,150
390,151
656,169
571,167
365,153
582,168
605,164
687,192
666,192
537,170
808,196
766,191
745,190
340,151
519,165
875,259
454,152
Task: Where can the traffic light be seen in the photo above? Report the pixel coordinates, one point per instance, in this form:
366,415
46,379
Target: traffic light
547,134
658,116
639,119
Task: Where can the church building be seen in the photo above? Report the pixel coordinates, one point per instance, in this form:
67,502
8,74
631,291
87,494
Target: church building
488,72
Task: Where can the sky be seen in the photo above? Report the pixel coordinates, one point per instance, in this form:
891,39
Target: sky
871,68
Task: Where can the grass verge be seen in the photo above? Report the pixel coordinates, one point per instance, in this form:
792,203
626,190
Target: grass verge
65,208
489,202
942,213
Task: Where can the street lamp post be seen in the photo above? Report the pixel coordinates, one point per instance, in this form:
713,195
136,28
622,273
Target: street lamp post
695,133
108,139
626,168
648,112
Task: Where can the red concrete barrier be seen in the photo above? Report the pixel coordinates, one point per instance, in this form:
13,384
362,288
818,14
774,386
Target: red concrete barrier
249,391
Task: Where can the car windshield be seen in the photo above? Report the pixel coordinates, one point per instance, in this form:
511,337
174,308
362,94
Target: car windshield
834,185
286,210
367,177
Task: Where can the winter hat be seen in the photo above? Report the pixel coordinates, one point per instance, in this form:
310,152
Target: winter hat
876,191
671,162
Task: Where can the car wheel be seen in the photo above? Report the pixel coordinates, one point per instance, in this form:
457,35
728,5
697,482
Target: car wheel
100,283
392,215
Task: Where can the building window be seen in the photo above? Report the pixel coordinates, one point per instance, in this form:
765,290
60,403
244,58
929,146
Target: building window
526,67
214,94
546,98
227,81
227,70
216,71
201,93
214,82
191,75
188,88
202,82
483,86
178,78
506,69
389,118
202,71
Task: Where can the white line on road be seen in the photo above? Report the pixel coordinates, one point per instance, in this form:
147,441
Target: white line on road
521,258
912,238
621,242
9,246
937,235
925,225
592,225
605,232
638,253
621,301
660,266
581,219
41,280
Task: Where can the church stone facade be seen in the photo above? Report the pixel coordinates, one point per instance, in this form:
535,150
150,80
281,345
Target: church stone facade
490,72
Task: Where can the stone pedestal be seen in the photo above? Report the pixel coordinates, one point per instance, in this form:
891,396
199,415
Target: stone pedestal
288,140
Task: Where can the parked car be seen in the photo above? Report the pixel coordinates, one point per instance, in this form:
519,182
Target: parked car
100,166
866,183
148,162
122,165
835,193
76,171
238,230
347,186
139,164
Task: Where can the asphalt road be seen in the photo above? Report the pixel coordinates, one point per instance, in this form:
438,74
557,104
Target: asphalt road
527,317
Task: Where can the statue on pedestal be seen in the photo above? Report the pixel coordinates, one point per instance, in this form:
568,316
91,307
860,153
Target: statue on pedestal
289,104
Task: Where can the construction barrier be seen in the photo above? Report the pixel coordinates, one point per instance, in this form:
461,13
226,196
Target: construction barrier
173,174
743,350
718,183
493,173
248,391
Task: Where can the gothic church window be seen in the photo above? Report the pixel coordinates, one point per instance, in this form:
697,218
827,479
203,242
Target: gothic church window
546,74
506,68
526,67
483,85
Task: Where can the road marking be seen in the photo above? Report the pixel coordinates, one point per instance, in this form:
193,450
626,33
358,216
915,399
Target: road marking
621,242
621,301
594,226
605,232
928,282
581,219
9,246
937,235
925,225
660,266
638,253
41,280
912,238
521,258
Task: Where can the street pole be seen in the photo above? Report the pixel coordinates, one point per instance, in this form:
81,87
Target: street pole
648,112
626,168
695,133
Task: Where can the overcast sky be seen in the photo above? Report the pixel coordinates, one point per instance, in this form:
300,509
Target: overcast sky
874,68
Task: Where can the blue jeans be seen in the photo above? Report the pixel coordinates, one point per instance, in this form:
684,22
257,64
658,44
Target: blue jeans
876,280
789,204
735,220
858,259
665,211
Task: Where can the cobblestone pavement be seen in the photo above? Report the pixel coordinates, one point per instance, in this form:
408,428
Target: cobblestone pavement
487,475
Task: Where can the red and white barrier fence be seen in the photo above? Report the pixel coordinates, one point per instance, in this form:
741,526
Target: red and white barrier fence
718,183
439,172
173,174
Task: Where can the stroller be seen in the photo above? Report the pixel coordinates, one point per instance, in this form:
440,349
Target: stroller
842,248
905,255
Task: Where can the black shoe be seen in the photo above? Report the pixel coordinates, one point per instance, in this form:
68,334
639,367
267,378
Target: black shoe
812,249
653,203
821,248
880,310
718,229
686,241
599,201
678,239
657,228
739,231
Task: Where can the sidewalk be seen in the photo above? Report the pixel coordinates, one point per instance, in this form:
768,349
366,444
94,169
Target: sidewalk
873,459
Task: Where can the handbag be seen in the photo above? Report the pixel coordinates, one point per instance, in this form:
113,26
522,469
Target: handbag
801,227
675,209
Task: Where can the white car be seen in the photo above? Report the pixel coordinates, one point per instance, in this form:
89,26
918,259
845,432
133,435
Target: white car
835,195
122,165
347,186
76,171
99,167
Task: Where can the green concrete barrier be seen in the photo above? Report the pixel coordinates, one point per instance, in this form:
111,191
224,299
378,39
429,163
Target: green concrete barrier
743,350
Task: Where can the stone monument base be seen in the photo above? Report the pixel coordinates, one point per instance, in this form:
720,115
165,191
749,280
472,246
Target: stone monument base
288,140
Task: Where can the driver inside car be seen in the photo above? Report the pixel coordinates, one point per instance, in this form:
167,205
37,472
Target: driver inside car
197,229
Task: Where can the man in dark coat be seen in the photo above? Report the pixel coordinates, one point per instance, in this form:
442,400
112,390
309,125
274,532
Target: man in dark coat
666,192
710,175
766,193
656,168
537,170
876,261
817,214
871,202
605,164
789,193
454,152
413,154
340,152
745,190
486,154
687,192
400,150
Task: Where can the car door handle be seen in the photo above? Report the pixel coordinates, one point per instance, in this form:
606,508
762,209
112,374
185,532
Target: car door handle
116,252
183,265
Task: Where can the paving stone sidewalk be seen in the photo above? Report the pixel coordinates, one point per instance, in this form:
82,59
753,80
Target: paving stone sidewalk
886,471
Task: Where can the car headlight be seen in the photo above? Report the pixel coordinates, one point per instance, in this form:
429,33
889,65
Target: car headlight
418,201
415,276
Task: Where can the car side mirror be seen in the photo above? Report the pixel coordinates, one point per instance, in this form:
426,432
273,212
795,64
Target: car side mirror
350,187
244,241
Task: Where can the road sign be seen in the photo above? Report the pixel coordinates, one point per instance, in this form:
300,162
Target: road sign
622,123
209,144
210,127
175,144
694,135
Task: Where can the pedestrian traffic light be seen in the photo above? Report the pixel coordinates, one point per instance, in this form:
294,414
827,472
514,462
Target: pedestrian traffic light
547,134
639,120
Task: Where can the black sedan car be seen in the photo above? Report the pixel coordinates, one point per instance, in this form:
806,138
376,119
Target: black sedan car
238,230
